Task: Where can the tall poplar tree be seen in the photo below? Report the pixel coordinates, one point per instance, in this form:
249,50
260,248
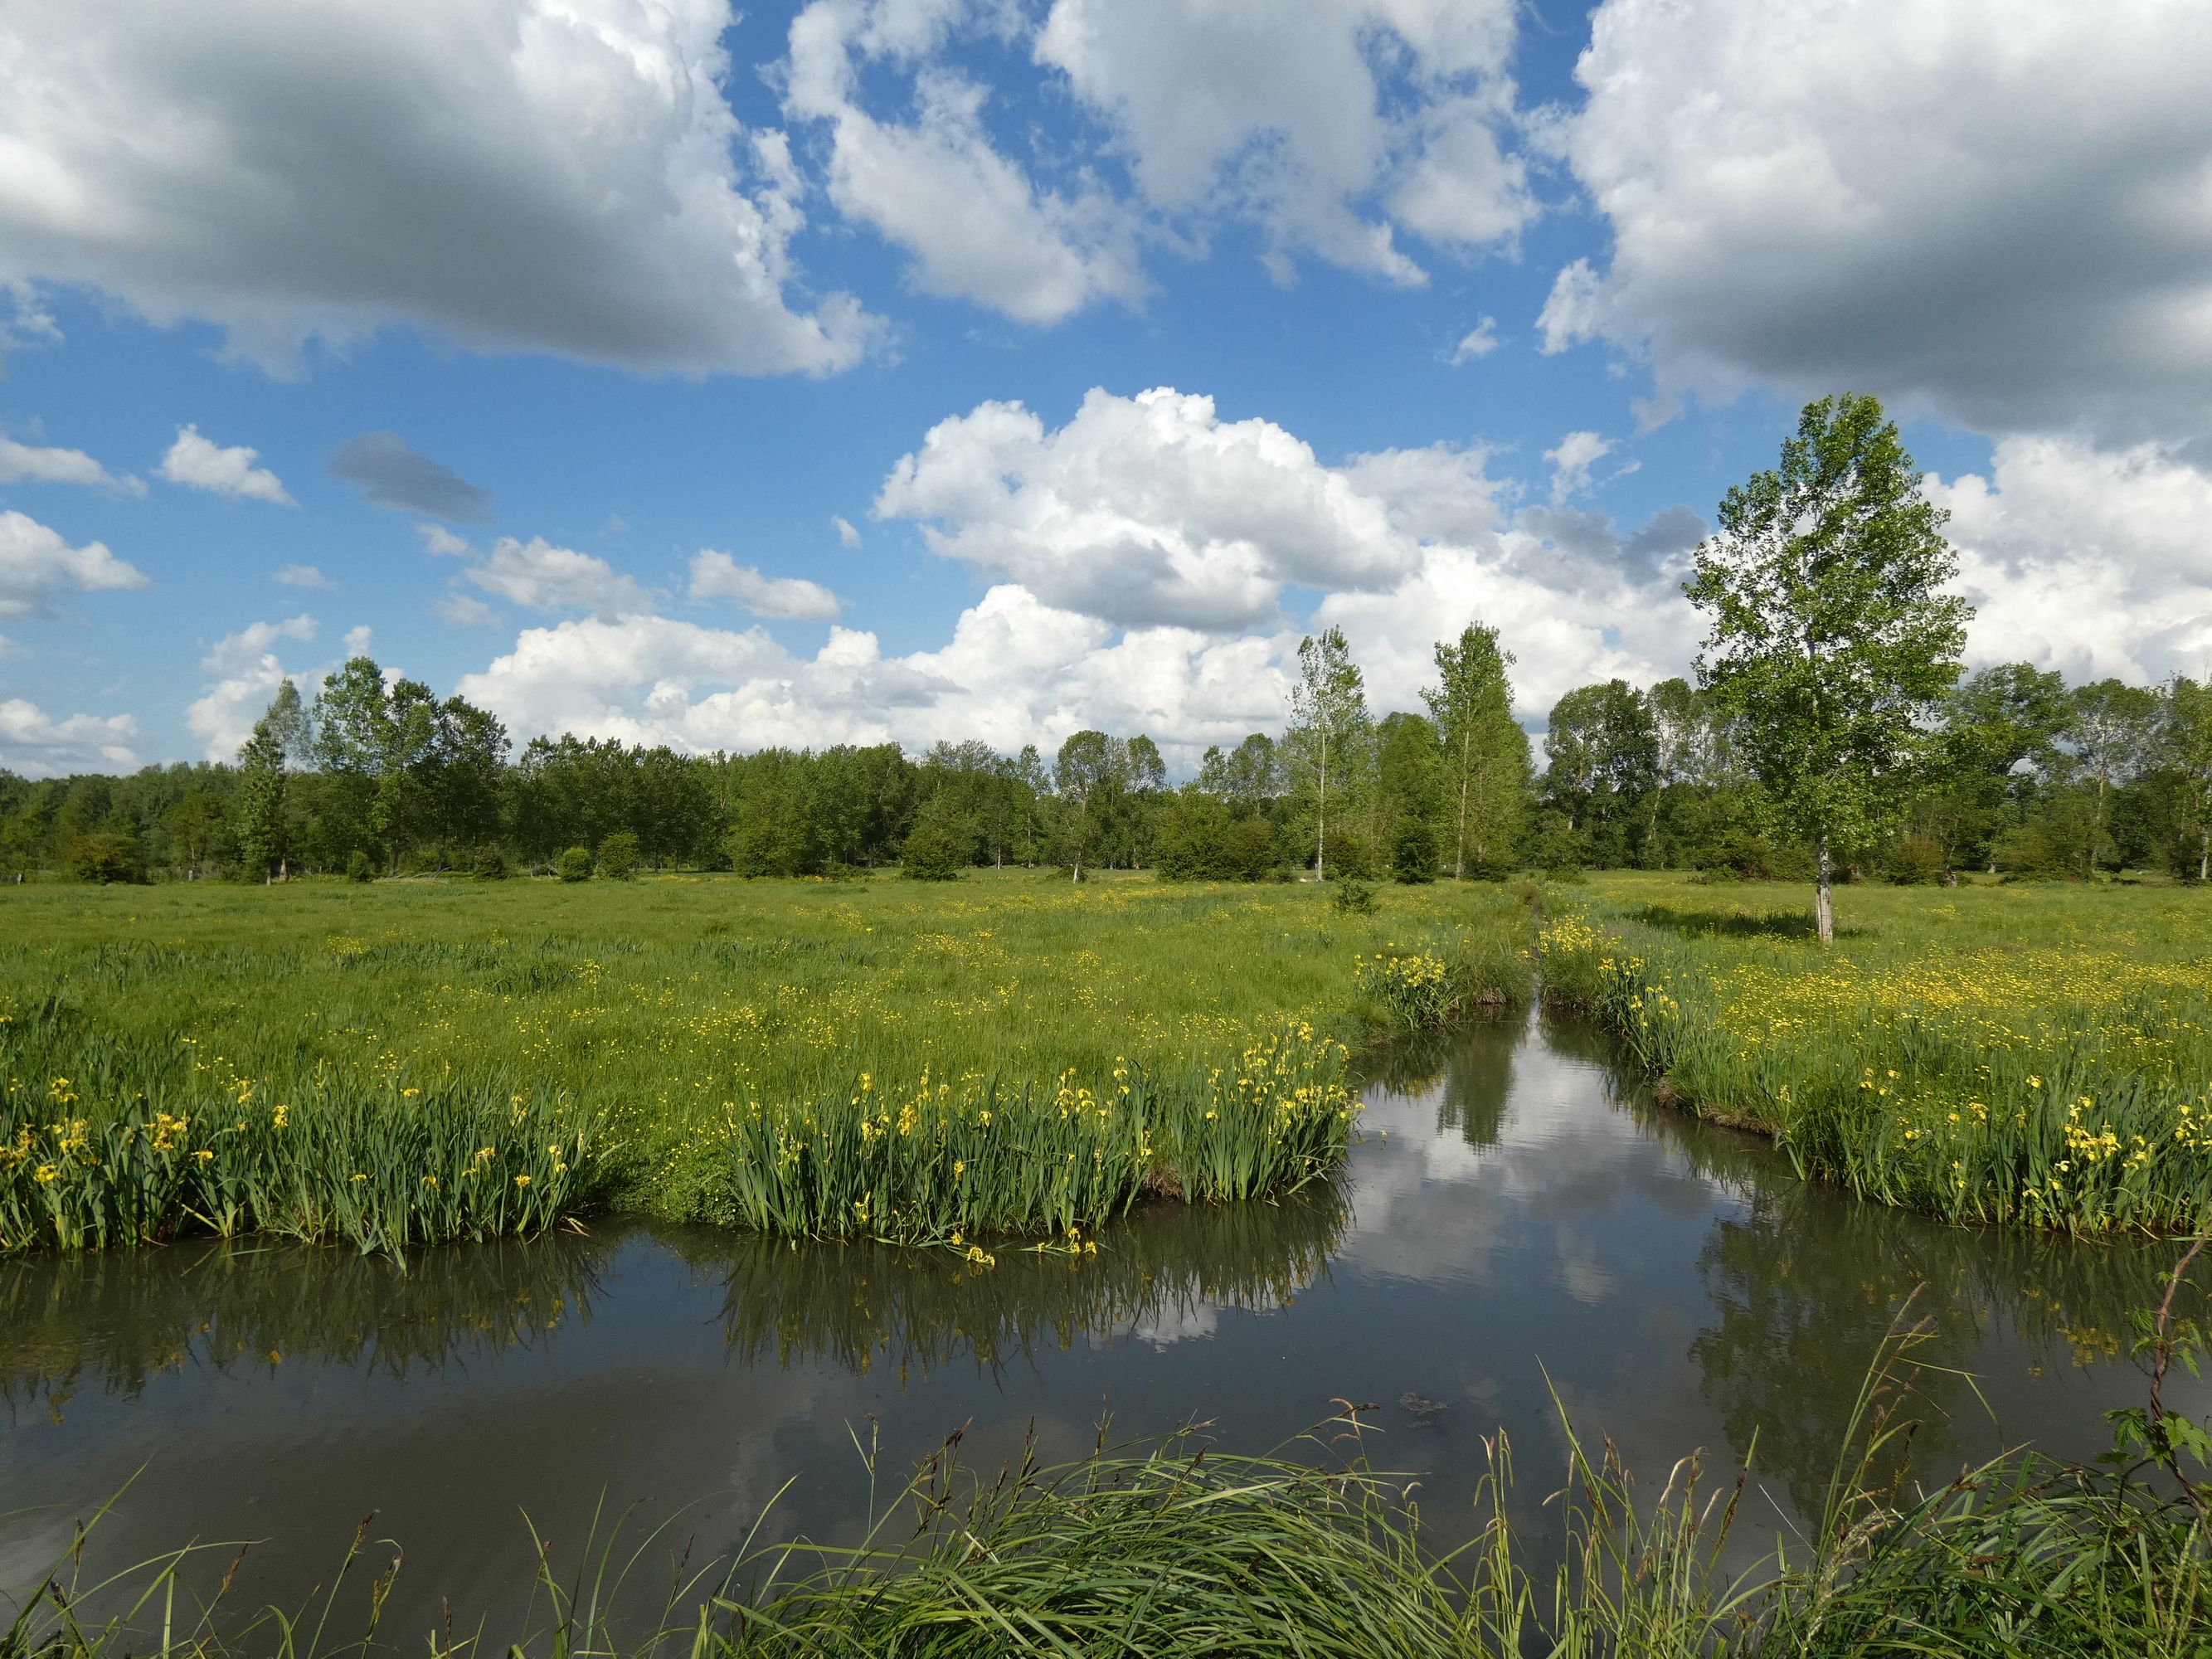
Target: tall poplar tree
2185,747
2109,735
1330,731
280,742
1832,640
1485,753
1091,768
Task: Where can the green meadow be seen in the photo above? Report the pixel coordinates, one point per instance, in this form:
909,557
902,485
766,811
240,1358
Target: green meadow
2029,1054
1013,1055
410,1061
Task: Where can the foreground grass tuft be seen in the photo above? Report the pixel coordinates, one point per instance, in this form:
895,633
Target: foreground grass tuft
1183,1550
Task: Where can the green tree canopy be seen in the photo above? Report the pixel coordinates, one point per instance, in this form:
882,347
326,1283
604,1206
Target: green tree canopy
1484,751
1330,736
1831,637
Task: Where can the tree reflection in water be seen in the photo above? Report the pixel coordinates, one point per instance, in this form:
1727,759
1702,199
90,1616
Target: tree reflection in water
1472,1080
1804,1287
114,1319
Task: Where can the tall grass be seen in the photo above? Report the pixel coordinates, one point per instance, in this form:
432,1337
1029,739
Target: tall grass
410,1064
1934,1059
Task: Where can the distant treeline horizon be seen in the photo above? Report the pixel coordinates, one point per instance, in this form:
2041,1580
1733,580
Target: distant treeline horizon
2023,773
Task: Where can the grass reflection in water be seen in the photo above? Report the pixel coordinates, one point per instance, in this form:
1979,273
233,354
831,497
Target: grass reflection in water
864,1306
115,1321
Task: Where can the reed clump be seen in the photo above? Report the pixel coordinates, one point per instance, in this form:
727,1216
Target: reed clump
959,1159
383,1168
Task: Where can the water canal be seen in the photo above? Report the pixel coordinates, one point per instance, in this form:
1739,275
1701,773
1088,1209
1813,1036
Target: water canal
1514,1221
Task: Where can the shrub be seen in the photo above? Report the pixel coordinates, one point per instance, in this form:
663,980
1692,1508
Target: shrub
1916,861
619,857
2027,854
108,858
1200,843
1354,898
931,854
1793,863
773,836
358,868
490,863
1555,849
1413,850
1736,852
1248,850
575,864
1349,854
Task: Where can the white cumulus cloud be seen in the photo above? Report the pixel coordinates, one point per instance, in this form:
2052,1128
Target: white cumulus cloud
540,576
2003,212
463,610
717,576
1141,558
1144,510
200,463
2088,560
1015,671
28,463
442,541
1330,123
549,175
977,225
847,535
36,744
37,563
1477,342
1331,126
1571,462
302,575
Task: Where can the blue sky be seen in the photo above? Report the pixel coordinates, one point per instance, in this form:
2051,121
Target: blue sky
589,293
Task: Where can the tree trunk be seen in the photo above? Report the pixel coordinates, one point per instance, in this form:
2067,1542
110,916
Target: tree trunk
1321,813
2204,857
2096,829
1466,777
1824,906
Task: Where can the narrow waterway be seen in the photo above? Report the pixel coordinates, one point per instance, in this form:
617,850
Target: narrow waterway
1516,1223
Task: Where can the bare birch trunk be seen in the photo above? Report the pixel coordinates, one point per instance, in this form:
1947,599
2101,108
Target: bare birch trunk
1824,906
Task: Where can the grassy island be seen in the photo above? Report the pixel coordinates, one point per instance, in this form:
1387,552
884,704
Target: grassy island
2037,1054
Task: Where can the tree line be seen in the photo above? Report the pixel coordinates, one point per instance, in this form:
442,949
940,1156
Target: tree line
2021,773
376,776
1830,734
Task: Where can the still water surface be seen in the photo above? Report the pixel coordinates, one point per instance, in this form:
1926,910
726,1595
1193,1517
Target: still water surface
1514,1221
